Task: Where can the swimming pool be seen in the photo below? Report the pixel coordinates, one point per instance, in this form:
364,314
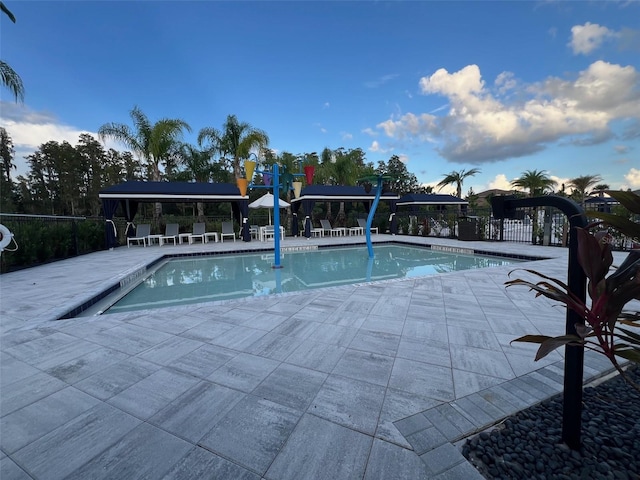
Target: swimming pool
183,281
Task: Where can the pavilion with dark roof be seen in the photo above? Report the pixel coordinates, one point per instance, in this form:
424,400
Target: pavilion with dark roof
128,195
337,193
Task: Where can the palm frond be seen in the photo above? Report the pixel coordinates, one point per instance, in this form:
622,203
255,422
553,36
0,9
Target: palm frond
5,10
12,81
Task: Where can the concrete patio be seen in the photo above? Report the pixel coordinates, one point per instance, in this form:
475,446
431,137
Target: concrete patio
370,381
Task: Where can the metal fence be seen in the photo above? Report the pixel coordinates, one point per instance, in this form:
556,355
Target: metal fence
45,238
534,226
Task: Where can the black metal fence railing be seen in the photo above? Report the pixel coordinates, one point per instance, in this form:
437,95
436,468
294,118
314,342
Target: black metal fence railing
44,238
534,226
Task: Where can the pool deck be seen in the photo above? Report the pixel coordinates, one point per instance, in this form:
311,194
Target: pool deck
369,381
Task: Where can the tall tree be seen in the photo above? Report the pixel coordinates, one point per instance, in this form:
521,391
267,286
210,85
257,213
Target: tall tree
536,182
154,143
92,169
403,182
457,179
6,154
234,142
6,184
581,186
10,78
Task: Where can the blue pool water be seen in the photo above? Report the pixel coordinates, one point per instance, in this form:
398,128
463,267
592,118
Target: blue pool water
182,281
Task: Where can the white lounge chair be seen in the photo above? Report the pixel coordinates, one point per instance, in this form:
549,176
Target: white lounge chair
142,235
171,231
227,231
363,223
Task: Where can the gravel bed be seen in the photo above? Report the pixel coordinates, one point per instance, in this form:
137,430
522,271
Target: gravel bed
528,444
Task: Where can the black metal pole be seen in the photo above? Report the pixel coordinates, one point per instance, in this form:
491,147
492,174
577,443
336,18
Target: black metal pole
504,207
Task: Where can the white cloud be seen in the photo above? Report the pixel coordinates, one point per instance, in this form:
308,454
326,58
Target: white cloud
346,136
320,127
586,38
29,129
633,178
481,125
370,131
378,82
505,82
500,182
375,147
409,125
403,158
621,149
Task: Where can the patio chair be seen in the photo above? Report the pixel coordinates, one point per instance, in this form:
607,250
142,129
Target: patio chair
363,223
227,231
326,226
171,231
254,231
142,234
200,232
197,233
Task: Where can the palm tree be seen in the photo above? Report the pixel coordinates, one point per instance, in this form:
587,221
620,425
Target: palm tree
581,184
601,188
457,178
197,167
537,182
153,143
236,140
10,78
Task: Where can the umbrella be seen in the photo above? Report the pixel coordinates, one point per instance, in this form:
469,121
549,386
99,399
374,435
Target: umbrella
266,201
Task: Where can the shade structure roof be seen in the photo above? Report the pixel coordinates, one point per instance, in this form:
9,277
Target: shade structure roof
172,192
430,199
341,193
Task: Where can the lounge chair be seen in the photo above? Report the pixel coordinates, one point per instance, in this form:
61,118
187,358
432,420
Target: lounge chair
227,231
199,233
363,223
171,231
142,234
326,226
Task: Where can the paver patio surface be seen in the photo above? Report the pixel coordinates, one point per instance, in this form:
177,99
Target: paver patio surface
368,381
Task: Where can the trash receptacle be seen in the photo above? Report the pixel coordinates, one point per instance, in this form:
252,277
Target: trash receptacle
468,229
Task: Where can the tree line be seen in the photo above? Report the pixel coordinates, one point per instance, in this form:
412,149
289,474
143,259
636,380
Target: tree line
65,179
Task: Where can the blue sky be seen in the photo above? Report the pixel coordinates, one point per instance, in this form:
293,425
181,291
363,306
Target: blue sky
501,86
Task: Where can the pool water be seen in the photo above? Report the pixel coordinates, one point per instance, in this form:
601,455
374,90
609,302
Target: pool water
182,281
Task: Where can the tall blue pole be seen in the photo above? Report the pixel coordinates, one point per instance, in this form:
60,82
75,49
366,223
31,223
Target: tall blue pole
372,213
276,215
